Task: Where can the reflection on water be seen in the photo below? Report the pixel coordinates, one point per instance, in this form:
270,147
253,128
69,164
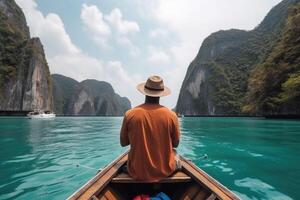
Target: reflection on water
257,186
256,158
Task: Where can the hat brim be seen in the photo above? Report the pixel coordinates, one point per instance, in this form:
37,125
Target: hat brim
153,93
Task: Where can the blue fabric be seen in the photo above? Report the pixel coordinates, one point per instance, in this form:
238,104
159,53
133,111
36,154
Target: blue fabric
163,196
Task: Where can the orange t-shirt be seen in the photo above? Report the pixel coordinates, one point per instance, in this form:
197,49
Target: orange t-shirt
152,131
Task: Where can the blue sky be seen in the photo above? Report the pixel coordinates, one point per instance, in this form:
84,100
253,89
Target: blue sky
123,42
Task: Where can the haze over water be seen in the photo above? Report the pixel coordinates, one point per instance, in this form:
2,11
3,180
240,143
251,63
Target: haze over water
50,159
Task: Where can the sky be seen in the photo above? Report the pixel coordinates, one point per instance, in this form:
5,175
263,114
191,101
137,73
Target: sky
124,42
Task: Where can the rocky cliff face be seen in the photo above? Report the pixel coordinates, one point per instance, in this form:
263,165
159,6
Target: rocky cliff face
216,82
89,97
25,82
274,85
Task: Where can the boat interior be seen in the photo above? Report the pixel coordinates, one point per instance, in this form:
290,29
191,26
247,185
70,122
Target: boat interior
113,183
179,186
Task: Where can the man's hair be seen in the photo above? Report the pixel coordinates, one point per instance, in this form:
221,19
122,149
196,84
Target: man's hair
154,100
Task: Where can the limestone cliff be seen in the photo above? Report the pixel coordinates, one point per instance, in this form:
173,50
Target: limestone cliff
89,97
216,81
25,82
274,85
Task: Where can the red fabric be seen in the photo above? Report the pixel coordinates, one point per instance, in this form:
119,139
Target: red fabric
142,197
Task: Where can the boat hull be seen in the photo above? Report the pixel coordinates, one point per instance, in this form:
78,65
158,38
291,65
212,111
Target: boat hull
189,183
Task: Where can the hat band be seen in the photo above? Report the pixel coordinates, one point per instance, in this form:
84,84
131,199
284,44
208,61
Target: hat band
154,88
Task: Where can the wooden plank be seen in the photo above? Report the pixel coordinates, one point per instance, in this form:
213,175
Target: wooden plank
207,181
202,194
96,198
177,177
190,193
103,198
211,197
103,181
98,182
109,194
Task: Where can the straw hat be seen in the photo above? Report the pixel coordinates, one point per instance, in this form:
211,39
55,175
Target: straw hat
154,87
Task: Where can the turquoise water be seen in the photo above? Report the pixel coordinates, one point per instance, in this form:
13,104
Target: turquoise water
45,159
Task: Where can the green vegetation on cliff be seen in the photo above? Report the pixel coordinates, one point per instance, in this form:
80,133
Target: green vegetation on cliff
238,72
63,90
11,39
25,81
274,85
224,93
235,63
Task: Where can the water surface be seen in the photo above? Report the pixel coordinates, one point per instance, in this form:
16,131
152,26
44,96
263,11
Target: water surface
50,159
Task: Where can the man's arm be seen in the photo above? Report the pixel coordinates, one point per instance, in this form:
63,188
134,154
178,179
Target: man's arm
124,141
176,132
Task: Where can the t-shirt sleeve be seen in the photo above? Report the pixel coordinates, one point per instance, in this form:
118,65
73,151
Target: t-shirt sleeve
176,132
124,133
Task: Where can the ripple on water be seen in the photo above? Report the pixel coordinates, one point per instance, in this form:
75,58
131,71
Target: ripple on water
264,190
224,169
239,149
23,158
8,139
66,129
255,154
207,165
215,161
249,152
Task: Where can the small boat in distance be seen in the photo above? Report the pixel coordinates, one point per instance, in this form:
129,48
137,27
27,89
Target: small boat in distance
112,183
40,114
179,115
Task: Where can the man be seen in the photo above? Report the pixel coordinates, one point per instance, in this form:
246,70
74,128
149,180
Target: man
152,131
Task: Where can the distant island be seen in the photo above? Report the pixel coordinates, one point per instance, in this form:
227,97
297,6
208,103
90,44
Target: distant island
89,97
26,83
253,73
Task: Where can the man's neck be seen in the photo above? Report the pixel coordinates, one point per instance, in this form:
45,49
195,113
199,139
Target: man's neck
152,100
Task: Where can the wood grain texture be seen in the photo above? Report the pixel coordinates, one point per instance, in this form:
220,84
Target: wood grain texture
176,177
97,183
207,181
195,184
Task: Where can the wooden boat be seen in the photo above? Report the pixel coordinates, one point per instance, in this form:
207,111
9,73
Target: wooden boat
190,182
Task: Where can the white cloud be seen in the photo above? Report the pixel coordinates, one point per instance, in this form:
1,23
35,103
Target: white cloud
115,18
133,50
67,59
99,28
92,18
158,56
157,33
173,79
48,28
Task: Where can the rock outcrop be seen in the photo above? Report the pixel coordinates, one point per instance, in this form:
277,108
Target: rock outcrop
25,82
216,82
88,98
274,85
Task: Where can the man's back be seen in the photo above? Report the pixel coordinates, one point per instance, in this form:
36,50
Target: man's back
152,131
